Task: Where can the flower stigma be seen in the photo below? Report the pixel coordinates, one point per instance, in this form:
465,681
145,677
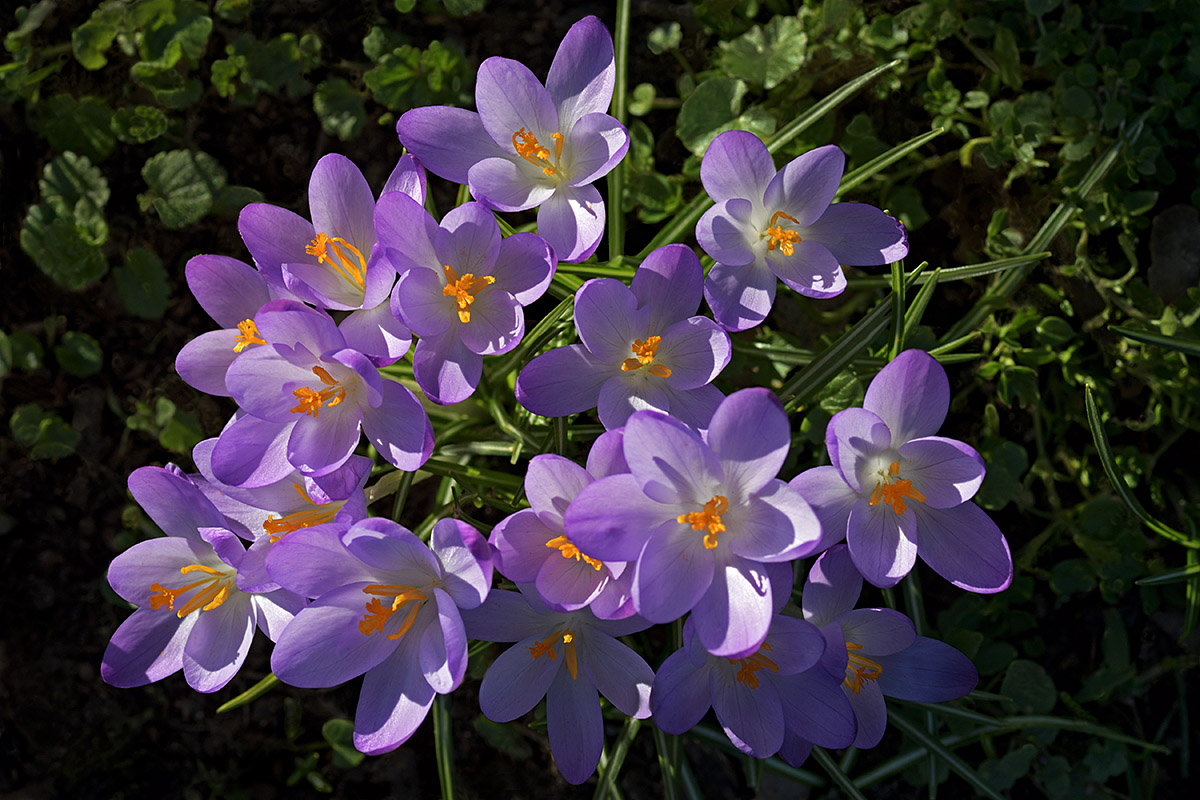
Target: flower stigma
463,290
311,401
215,590
569,550
247,335
749,666
860,670
533,151
709,519
643,352
893,491
378,613
546,648
782,239
336,251
316,514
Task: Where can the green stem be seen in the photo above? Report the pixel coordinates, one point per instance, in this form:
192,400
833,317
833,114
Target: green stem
443,741
668,762
607,784
840,778
616,178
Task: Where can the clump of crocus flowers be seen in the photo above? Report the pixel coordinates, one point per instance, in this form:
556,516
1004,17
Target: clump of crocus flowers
680,512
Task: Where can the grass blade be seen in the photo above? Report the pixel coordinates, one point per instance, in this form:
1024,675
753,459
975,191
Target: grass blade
951,274
1187,346
881,162
253,693
608,777
837,357
835,773
955,763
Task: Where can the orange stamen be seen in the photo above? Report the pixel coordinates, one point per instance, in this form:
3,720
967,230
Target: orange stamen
214,592
248,335
311,401
753,664
528,148
569,550
709,519
893,491
860,670
336,252
643,352
782,239
463,290
378,614
318,514
546,648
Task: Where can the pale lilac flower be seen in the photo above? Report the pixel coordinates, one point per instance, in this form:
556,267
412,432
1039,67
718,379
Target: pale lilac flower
642,348
532,145
896,491
531,546
877,649
461,288
385,606
567,658
767,225
707,521
197,610
305,397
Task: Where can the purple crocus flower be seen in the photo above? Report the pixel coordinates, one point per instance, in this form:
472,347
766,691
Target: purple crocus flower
877,649
305,397
386,606
710,526
896,490
767,225
532,145
566,657
642,349
759,697
461,288
531,546
332,262
197,610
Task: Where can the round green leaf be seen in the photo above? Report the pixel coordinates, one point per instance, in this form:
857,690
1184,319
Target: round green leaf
79,354
139,124
142,284
182,185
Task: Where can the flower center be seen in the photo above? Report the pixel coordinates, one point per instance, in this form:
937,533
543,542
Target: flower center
530,149
860,670
546,648
247,335
893,491
210,591
782,239
643,354
378,613
749,666
709,519
463,290
569,550
312,400
337,253
316,514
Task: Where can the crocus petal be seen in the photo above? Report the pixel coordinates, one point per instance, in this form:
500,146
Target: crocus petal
551,483
421,303
669,461
754,717
575,727
965,547
274,236
668,282
596,144
264,384
563,381
929,671
572,221
445,369
750,434
568,584
341,202
833,586
510,98
623,395
516,681
775,525
399,428
377,333
880,631
681,695
275,610
870,712
203,362
218,644
313,562
228,289
147,647
174,503
289,323
726,232
504,617
816,708
612,531
319,445
947,472
672,575
795,645
394,701
911,395
407,177
736,164
328,287
524,266
621,675
694,407
497,323
506,185
831,500
882,543
608,319
156,561
407,232
448,141
805,187
386,546
520,543
855,438
583,72
443,649
795,750
468,239
859,235
740,297
252,452
466,562
811,270
734,615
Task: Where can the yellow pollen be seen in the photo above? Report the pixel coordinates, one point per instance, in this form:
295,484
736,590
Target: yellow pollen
860,670
318,514
346,259
248,335
782,239
463,290
546,648
530,149
753,664
311,401
709,519
214,592
643,352
378,613
893,491
569,550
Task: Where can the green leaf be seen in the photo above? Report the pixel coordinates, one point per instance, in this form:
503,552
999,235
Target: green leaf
766,56
138,124
184,34
405,6
664,37
340,735
1008,57
169,86
6,355
142,284
233,10
381,41
837,357
641,99
79,126
43,432
61,250
25,423
1029,688
232,199
715,107
1006,466
90,41
340,109
1002,773
27,352
253,693
183,184
1188,346
463,8
77,192
181,433
79,354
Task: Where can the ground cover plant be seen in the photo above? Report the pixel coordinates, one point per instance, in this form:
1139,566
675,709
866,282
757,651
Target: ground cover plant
794,395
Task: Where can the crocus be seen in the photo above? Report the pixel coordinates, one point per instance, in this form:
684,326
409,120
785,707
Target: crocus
461,288
877,649
197,610
710,526
385,606
642,348
532,145
896,491
767,225
305,397
567,658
